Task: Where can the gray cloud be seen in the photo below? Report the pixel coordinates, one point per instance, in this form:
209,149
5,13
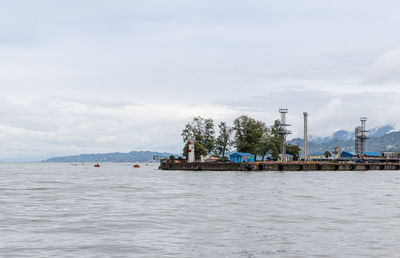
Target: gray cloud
97,76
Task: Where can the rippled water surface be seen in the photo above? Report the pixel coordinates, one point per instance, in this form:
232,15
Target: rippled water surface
61,210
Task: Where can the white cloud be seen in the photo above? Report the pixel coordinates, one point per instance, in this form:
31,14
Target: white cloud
386,68
62,126
93,76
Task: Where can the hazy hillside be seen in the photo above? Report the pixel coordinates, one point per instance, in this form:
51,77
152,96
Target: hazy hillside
382,139
347,135
133,156
386,142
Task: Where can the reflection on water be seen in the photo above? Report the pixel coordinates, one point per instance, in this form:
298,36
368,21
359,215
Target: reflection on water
59,210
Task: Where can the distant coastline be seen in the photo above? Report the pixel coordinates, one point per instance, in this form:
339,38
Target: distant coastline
133,156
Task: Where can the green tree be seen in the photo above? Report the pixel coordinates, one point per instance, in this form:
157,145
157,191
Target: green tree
223,141
248,133
293,150
198,150
202,129
327,154
275,139
266,144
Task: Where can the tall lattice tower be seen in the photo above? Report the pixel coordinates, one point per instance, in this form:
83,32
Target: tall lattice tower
283,132
357,140
361,137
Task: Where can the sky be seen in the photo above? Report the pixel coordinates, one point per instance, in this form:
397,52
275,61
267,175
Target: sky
96,76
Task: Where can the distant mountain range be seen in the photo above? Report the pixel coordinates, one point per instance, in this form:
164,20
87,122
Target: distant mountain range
346,135
381,139
133,156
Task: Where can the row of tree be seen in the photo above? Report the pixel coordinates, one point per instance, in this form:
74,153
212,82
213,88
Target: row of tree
245,135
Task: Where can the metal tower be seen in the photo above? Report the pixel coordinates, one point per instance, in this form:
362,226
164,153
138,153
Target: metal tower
305,135
361,137
357,140
283,132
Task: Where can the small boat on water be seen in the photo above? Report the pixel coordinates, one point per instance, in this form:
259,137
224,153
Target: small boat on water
97,165
136,166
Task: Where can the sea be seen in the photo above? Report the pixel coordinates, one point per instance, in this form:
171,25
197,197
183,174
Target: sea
77,210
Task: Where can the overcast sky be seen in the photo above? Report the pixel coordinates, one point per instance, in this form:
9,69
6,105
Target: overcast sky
97,76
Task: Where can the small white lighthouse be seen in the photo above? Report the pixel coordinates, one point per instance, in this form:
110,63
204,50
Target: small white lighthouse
191,157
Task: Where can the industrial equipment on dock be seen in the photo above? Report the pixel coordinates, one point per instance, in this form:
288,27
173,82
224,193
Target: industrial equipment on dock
360,138
283,132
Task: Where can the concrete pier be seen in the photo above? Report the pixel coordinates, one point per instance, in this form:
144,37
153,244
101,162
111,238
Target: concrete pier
278,166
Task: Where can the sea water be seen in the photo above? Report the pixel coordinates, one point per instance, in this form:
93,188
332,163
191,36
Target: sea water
75,210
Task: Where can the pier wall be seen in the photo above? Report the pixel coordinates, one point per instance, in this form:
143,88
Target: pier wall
278,166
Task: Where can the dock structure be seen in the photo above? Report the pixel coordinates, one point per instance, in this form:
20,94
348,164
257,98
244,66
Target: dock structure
278,166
